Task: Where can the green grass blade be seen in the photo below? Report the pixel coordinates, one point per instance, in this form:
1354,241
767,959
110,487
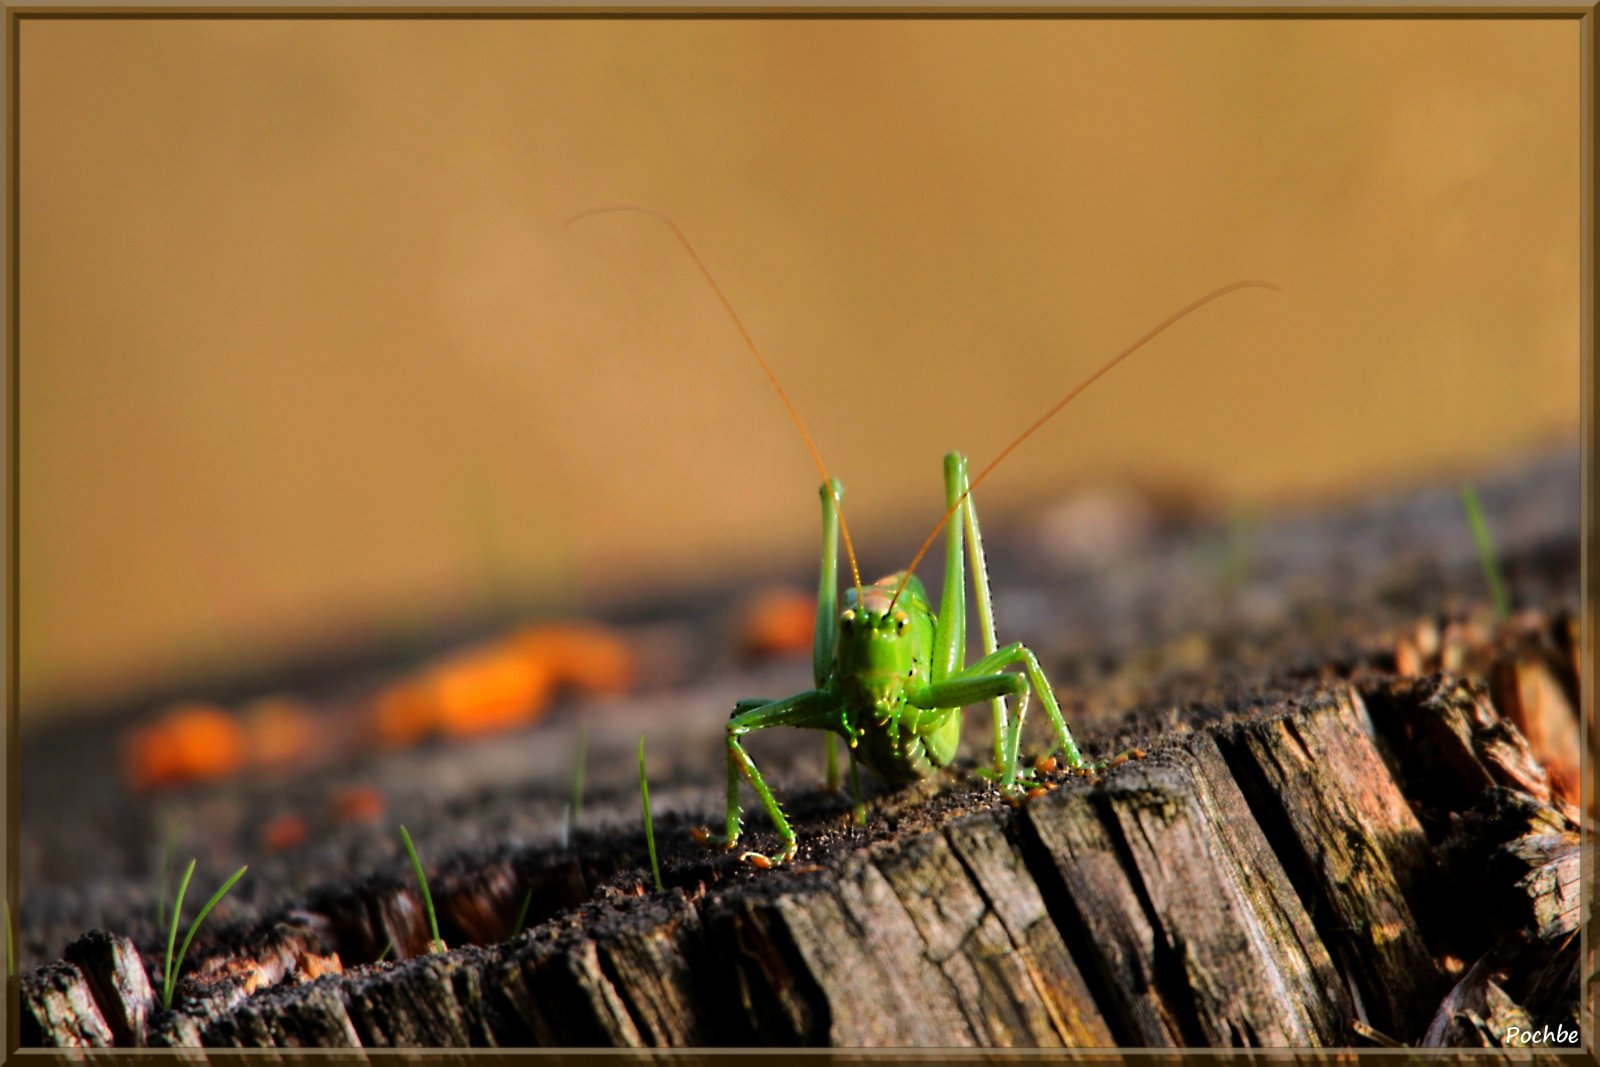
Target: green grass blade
194,927
649,826
522,912
172,937
577,775
1486,554
388,947
427,897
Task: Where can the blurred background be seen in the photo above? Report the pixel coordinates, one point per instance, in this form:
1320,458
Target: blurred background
307,353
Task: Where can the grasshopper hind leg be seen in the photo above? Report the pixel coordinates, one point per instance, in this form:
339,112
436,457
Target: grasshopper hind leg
1007,727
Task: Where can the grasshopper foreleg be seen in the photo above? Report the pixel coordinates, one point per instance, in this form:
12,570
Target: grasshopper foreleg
812,709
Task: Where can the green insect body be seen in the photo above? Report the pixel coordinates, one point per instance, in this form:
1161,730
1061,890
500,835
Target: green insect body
890,675
883,660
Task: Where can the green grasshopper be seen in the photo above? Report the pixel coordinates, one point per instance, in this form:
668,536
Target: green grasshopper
891,676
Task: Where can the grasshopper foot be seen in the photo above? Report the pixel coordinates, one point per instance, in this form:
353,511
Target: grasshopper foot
1020,794
766,863
989,774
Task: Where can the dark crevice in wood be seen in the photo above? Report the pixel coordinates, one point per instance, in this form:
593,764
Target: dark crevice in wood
1073,927
779,1000
1446,746
1346,837
1267,809
1564,639
610,974
1167,959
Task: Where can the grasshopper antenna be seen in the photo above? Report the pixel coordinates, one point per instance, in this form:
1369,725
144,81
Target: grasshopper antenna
794,413
1063,402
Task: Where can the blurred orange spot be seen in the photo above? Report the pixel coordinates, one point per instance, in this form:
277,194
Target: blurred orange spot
358,804
778,622
484,692
190,742
504,684
280,731
283,832
403,714
589,657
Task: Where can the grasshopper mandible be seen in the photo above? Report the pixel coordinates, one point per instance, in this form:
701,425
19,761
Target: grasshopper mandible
890,675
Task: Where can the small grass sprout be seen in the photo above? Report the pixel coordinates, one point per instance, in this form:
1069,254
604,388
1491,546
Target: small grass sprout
522,912
175,965
577,774
437,944
388,947
1486,554
649,826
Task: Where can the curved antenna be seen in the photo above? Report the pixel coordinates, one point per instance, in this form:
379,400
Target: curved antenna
1063,402
794,413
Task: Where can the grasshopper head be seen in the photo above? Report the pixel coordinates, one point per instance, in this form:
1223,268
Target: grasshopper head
882,648
871,613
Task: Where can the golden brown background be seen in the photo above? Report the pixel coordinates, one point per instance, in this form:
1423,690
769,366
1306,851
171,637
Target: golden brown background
305,350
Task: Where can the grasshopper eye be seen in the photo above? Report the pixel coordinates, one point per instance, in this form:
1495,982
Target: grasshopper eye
900,620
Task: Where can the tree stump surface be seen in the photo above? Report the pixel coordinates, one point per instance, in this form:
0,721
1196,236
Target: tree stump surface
1348,832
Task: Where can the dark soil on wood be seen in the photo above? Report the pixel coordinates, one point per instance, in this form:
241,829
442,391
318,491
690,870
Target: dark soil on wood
1337,835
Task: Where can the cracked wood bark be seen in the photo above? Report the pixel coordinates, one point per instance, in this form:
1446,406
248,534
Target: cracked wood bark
1259,882
1351,844
1000,873
1194,920
873,983
59,1011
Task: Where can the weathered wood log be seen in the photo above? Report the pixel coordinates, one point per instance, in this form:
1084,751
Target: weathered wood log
1332,838
1267,879
1260,881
